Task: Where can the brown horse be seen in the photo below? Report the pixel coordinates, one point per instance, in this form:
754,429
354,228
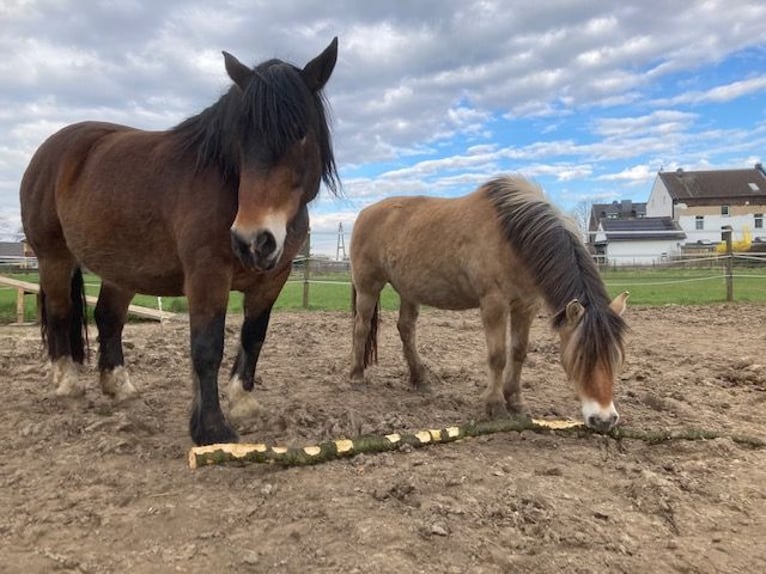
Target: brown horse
500,248
217,203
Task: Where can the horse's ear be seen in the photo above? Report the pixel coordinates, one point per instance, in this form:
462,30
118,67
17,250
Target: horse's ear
620,303
318,71
574,310
238,72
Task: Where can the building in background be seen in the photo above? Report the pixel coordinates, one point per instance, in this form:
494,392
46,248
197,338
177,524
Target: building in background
702,202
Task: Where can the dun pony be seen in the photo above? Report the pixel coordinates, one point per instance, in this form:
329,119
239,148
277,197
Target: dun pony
505,249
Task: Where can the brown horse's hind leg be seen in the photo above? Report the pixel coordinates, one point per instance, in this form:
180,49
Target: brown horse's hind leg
408,316
494,316
364,310
111,313
61,325
521,321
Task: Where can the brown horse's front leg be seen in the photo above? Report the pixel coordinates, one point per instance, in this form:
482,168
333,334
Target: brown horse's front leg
207,424
208,293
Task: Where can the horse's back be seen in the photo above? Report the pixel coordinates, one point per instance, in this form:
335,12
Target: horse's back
56,163
442,252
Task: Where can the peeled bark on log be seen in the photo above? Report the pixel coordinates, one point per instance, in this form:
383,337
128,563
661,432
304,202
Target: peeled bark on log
241,454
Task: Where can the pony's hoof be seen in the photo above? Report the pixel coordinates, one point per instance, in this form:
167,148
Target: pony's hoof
497,411
518,409
357,382
424,380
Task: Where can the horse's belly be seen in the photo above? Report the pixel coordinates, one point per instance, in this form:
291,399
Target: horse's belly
150,272
441,294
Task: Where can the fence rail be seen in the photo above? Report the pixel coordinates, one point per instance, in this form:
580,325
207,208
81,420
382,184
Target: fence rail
729,274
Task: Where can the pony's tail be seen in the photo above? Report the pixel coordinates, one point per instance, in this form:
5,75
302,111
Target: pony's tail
371,344
78,326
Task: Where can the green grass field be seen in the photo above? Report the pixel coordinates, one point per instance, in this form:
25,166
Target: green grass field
650,286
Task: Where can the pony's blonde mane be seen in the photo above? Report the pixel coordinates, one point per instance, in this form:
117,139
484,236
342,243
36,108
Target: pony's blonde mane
548,244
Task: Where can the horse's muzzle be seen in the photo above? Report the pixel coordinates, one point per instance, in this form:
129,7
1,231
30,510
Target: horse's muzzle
257,251
602,424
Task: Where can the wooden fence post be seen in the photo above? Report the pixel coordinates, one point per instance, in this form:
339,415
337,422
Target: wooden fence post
20,305
306,270
726,236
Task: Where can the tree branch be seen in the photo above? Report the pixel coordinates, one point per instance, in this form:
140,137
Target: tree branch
241,454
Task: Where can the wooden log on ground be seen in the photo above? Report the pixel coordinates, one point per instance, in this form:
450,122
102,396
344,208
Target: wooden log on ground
242,454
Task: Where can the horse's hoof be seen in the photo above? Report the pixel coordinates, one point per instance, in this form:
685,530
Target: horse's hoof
244,409
518,409
218,434
116,384
70,391
357,382
497,410
66,380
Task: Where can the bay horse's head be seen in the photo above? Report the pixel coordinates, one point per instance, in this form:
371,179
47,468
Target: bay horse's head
592,355
284,150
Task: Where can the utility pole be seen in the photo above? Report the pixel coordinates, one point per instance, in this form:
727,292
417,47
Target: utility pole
341,246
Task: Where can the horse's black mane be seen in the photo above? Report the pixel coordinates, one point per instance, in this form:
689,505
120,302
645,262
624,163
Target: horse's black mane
275,111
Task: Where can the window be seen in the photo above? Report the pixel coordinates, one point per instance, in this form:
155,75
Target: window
754,187
699,222
725,210
758,224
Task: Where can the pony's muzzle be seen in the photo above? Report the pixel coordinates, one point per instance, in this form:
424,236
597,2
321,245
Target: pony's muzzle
256,250
602,424
599,418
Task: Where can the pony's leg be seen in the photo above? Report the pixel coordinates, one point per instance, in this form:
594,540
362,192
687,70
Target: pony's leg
366,300
56,298
494,316
208,294
408,316
111,313
521,320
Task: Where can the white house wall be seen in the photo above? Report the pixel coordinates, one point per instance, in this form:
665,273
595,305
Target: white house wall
659,203
714,221
641,252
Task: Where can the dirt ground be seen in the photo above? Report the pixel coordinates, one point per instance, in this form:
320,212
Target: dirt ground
88,486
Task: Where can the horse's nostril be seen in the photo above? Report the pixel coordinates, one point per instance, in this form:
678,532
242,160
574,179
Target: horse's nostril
592,422
265,244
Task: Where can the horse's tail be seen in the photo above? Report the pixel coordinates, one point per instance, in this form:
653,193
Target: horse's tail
78,325
371,344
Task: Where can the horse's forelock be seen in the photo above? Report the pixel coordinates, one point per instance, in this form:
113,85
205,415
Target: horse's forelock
275,111
596,342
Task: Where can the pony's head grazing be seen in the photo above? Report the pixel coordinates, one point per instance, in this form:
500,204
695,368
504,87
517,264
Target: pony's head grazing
268,136
591,327
591,355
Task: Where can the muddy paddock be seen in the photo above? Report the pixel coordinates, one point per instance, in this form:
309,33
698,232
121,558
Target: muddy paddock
89,486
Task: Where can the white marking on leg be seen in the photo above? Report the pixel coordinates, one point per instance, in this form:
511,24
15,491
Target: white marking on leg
65,377
242,404
116,383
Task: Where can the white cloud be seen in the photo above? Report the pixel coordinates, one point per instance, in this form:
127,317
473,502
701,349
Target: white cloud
430,96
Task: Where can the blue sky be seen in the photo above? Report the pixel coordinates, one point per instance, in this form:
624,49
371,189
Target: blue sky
589,98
